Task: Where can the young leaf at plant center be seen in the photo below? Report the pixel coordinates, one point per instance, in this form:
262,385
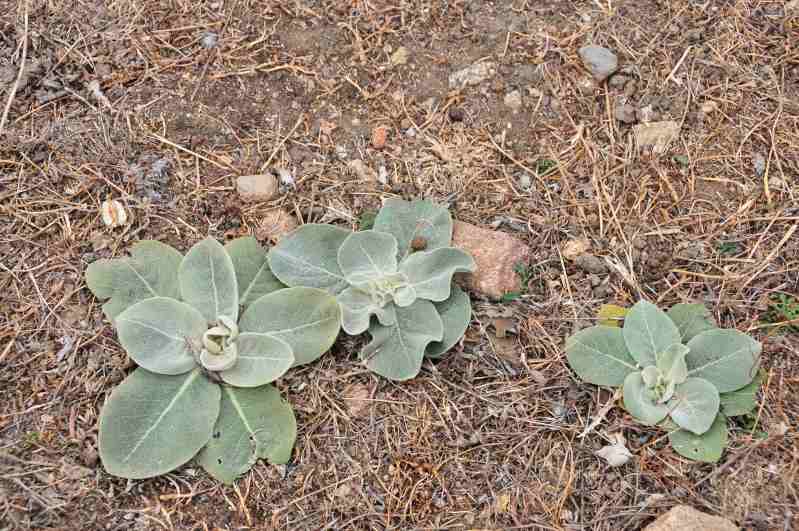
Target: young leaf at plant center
599,355
396,351
455,313
728,359
162,334
150,271
611,315
308,319
639,404
430,272
208,281
691,320
253,276
743,400
415,219
308,257
671,363
262,359
152,423
368,256
694,405
253,424
357,308
647,331
707,447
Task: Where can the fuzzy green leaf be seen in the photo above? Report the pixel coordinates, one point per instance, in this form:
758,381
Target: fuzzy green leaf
691,320
648,331
208,281
357,308
309,257
694,405
599,355
707,447
262,359
455,313
638,402
728,359
253,275
253,423
743,400
368,255
308,319
396,351
161,334
150,271
406,220
671,362
430,272
152,424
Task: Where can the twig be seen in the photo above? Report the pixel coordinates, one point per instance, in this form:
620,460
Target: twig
19,74
280,144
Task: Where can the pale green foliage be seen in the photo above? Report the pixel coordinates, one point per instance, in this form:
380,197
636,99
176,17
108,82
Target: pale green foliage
151,271
676,369
153,423
194,354
386,280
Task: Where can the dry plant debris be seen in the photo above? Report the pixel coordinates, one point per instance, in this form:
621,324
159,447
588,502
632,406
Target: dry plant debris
301,85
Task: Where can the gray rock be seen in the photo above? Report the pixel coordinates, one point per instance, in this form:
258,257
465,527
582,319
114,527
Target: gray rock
514,100
624,112
591,264
600,61
472,75
254,188
759,162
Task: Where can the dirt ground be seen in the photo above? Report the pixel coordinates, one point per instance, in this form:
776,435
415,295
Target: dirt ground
161,105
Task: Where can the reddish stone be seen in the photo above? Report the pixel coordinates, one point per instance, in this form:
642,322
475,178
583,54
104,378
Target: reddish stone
496,253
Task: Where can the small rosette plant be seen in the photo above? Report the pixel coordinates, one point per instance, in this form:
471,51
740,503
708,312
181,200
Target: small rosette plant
394,281
676,369
210,331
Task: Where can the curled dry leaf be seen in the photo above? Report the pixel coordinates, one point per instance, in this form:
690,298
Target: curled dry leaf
113,213
615,454
574,248
379,136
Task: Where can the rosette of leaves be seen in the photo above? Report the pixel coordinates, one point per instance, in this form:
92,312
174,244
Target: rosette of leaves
394,281
676,369
210,331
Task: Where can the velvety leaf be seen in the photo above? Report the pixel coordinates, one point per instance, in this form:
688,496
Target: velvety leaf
671,362
152,423
728,359
611,315
208,281
404,296
694,405
691,319
161,334
455,313
743,400
262,359
308,319
599,355
707,447
309,257
648,331
253,275
368,256
357,308
406,220
150,271
650,376
253,423
430,272
638,403
396,351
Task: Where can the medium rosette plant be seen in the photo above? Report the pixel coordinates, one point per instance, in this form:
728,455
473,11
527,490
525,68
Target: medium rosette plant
394,281
676,369
210,331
